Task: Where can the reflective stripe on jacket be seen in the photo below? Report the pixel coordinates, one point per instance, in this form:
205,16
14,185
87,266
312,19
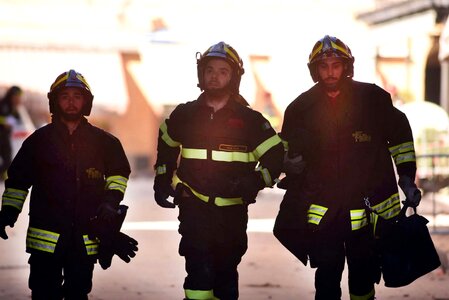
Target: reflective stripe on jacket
217,148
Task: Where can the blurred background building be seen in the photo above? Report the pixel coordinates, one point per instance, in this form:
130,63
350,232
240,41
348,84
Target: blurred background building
139,56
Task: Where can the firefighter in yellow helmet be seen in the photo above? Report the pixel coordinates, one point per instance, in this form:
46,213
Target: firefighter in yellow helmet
348,135
78,174
228,152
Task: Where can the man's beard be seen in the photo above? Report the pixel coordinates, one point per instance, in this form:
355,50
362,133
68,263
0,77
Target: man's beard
218,92
71,116
332,87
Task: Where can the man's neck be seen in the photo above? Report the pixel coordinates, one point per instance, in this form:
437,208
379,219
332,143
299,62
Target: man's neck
217,102
71,124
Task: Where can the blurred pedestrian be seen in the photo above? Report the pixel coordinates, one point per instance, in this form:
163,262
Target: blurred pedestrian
220,141
78,174
9,117
348,134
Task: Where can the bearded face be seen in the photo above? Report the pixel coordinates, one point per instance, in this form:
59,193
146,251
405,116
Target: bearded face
330,71
70,103
217,77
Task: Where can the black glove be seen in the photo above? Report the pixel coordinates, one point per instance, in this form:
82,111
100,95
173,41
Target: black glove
8,217
248,187
125,247
411,191
122,245
162,190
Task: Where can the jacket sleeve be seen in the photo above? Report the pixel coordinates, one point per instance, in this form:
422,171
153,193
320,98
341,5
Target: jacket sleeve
20,177
169,143
268,150
399,138
117,170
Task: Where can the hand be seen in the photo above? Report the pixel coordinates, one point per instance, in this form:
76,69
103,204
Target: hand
249,186
162,190
293,165
125,247
8,216
411,192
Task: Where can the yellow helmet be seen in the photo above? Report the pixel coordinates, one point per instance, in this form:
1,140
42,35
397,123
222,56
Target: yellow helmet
226,52
70,78
330,46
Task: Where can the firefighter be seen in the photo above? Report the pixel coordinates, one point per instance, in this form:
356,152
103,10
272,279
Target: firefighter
77,172
228,152
348,133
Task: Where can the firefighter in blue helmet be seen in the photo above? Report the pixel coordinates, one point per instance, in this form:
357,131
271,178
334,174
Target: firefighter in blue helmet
343,137
78,173
228,152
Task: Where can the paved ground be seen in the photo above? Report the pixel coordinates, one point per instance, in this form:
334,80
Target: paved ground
267,271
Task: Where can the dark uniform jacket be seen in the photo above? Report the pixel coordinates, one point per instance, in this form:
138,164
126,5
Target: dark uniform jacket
351,142
70,176
218,148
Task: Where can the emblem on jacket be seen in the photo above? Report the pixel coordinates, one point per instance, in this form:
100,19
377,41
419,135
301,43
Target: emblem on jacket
360,136
93,173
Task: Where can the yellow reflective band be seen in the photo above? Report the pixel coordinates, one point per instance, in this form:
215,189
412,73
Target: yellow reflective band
314,219
14,197
190,153
116,182
233,156
316,213
40,245
368,296
388,208
59,81
401,148
285,144
358,219
43,234
2,120
403,158
316,51
334,45
266,145
231,54
166,137
318,209
219,201
200,294
265,175
91,245
81,78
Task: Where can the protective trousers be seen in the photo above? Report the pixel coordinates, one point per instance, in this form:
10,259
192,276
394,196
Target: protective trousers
328,256
213,241
52,278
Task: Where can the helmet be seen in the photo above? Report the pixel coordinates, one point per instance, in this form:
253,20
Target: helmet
330,46
226,52
70,79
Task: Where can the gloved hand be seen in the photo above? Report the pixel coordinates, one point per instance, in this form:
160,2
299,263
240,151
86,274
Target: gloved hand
293,165
125,247
8,217
412,193
248,186
122,245
162,190
107,210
